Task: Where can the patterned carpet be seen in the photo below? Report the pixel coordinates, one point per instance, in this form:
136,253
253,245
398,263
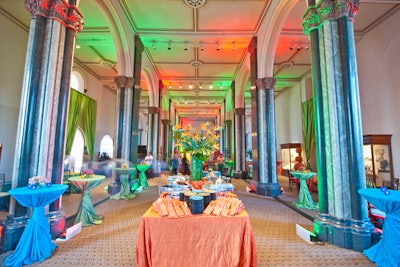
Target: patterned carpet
113,242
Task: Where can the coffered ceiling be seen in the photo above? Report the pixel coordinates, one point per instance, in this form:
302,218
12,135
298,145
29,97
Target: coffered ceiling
193,49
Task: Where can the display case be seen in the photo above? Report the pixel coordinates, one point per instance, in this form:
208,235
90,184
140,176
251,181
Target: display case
378,160
288,157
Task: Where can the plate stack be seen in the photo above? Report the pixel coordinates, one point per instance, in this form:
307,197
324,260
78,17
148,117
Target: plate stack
196,204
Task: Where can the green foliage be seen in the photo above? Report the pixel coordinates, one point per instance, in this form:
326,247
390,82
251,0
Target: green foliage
198,144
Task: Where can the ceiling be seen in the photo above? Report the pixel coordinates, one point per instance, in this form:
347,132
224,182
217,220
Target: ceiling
207,44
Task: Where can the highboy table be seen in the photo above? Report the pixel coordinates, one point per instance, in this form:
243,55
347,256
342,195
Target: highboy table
35,243
86,213
304,199
387,251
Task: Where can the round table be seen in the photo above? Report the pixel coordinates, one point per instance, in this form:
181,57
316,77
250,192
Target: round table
125,192
86,213
142,168
35,244
304,199
387,251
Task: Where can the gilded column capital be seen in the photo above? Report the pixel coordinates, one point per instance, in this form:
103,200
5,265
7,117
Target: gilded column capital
329,10
239,111
124,82
267,83
228,122
154,110
165,122
59,10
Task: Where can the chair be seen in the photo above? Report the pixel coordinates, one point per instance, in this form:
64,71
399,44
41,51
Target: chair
293,181
376,216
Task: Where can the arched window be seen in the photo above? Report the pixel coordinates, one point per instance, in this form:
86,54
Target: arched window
106,146
76,155
77,82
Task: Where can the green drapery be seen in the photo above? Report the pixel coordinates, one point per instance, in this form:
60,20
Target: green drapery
74,110
89,117
308,129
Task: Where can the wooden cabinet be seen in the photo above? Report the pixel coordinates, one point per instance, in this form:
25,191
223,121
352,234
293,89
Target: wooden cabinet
288,157
378,160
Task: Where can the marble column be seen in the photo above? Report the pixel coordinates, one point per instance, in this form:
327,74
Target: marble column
228,139
254,131
125,94
240,144
44,103
343,218
152,142
165,139
124,116
266,139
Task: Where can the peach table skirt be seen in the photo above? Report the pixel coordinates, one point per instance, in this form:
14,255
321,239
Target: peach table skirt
197,240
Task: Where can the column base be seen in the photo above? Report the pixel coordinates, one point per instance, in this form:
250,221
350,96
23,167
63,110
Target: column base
113,188
240,174
349,234
12,231
268,189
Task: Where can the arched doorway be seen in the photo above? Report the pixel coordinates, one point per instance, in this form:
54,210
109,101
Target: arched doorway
106,147
76,156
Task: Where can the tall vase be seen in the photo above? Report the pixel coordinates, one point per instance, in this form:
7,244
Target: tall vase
196,168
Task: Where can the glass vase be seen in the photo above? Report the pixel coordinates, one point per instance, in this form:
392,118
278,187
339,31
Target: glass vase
196,168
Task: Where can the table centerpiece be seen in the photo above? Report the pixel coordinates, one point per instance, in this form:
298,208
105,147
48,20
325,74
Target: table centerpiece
199,144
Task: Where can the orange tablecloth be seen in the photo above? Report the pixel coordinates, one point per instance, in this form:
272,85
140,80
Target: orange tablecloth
197,240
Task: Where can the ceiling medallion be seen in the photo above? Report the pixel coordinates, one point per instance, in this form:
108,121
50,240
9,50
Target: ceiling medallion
194,3
196,64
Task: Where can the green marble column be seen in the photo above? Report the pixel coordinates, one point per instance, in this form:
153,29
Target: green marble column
342,218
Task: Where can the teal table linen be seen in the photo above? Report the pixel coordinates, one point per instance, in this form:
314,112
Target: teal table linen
35,244
386,252
142,168
86,213
304,199
125,192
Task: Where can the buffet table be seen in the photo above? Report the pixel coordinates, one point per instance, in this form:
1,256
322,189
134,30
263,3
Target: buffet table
35,244
197,240
86,213
387,251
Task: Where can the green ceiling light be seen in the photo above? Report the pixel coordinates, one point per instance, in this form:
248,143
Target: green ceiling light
169,45
194,3
153,44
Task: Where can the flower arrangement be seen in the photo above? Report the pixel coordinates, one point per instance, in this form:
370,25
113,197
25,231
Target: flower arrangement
87,173
199,144
38,181
124,165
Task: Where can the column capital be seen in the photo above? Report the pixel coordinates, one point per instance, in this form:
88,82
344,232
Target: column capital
124,82
154,110
165,122
228,122
60,10
266,83
240,111
329,10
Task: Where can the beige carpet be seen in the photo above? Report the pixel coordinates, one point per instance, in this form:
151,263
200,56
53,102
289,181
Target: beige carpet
113,242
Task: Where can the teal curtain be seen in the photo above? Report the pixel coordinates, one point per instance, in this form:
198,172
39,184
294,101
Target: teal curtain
308,129
75,106
89,118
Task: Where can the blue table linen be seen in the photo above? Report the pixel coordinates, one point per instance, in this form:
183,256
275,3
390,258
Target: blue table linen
387,251
35,244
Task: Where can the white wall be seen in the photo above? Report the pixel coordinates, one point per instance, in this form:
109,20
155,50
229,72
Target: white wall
378,60
12,54
288,117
